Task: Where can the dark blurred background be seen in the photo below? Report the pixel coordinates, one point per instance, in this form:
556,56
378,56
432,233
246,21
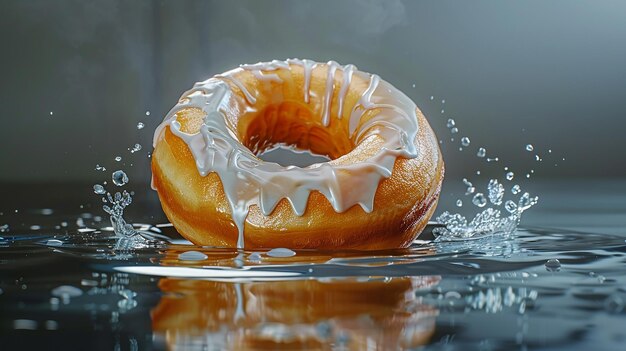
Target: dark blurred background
77,76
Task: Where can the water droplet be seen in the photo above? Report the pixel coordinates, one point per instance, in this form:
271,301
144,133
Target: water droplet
442,110
477,172
192,256
118,158
465,141
510,206
481,152
140,125
553,265
147,113
100,168
443,101
496,192
479,200
135,148
467,182
51,113
280,252
470,190
432,97
528,175
454,130
119,178
510,176
530,147
459,203
450,123
98,189
537,158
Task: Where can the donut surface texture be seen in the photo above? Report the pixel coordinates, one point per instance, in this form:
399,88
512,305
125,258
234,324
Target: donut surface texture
378,190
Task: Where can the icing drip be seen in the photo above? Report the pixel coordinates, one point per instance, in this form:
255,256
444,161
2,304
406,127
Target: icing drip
328,95
347,78
248,180
307,66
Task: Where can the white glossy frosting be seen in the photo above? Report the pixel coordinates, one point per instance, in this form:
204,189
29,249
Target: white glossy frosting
248,180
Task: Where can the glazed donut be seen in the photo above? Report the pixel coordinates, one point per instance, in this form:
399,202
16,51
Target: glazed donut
378,190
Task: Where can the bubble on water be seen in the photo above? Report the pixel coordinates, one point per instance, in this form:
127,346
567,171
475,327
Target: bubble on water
516,189
119,178
118,158
135,148
479,200
140,125
510,176
192,256
510,206
54,242
98,189
450,123
24,324
281,252
496,192
481,152
465,141
530,147
553,265
100,168
459,203
255,257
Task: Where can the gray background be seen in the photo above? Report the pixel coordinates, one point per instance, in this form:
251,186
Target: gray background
548,73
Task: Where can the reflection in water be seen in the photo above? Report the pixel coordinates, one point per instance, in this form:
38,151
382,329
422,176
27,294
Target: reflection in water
320,314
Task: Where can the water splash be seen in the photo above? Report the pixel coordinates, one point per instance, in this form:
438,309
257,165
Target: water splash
491,221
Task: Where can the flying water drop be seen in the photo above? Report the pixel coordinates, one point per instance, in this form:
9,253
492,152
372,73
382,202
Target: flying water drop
510,176
140,125
119,178
465,141
479,200
481,152
530,147
99,189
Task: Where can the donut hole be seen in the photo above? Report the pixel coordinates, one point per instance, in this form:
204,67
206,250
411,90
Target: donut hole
291,124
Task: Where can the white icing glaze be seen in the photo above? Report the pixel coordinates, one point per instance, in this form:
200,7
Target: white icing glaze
248,180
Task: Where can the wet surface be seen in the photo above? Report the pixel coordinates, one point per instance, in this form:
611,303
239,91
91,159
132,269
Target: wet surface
65,284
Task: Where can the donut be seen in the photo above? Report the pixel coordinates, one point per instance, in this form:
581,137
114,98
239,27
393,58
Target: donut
377,191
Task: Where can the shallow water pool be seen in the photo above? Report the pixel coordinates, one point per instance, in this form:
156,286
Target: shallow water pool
65,286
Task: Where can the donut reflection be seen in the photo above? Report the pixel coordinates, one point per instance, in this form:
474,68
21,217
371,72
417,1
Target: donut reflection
316,314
